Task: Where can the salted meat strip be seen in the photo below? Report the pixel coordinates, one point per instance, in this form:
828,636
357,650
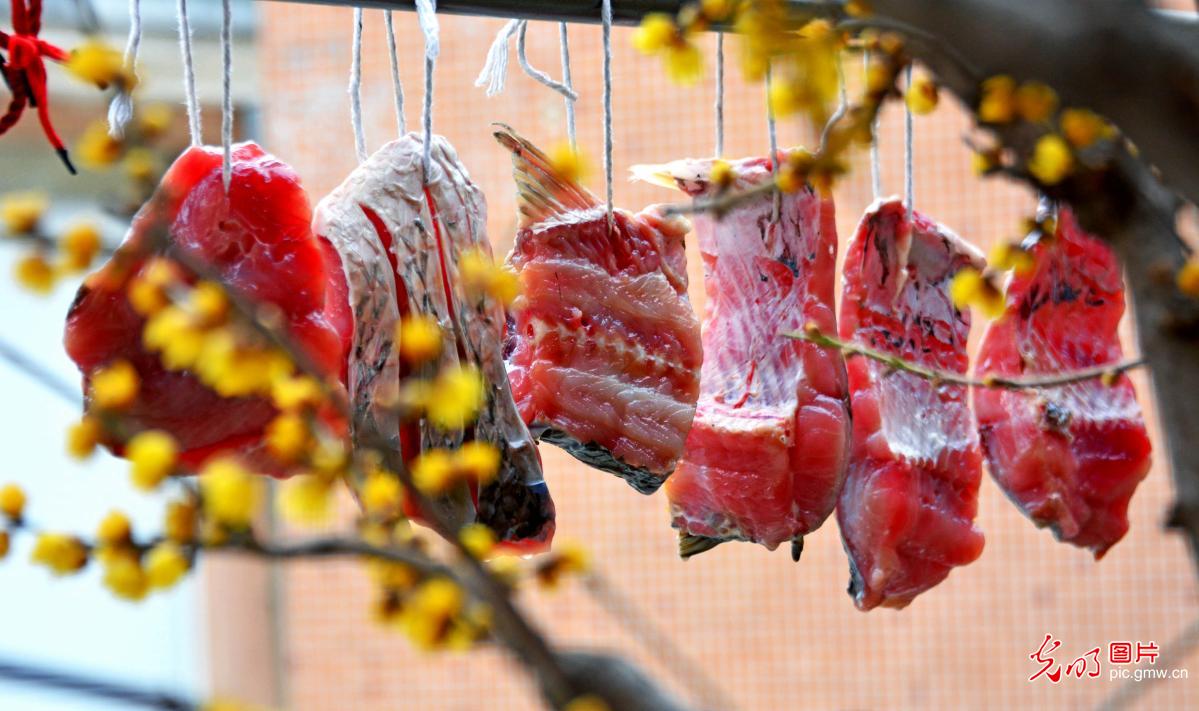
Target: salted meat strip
257,239
911,494
1070,457
401,237
766,455
605,351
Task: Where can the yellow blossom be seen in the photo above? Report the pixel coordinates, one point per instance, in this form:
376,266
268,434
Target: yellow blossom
294,393
208,303
179,521
433,471
419,337
722,174
984,162
477,460
155,119
430,610
63,554
684,63
140,164
114,530
288,437
124,577
591,702
22,211
656,32
1051,160
12,501
457,395
152,455
1007,256
568,164
173,333
1035,101
853,8
306,499
717,9
83,436
970,288
96,149
922,95
114,386
481,275
1188,278
80,244
1083,127
478,539
231,493
4,544
33,272
998,104
330,458
233,370
147,291
97,62
165,565
568,558
381,495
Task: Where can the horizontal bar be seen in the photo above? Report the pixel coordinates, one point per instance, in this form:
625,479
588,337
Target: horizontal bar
624,12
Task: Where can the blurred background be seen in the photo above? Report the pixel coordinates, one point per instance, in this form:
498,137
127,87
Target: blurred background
771,633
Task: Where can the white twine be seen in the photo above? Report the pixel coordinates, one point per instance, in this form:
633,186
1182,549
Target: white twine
495,69
842,104
120,110
876,177
540,76
226,93
564,46
719,94
606,19
774,141
189,73
908,180
355,88
397,88
426,12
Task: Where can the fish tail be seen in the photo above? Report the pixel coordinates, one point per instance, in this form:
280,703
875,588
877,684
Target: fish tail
542,191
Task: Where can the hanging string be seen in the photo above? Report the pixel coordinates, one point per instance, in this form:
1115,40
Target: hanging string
226,92
606,19
719,94
189,73
355,88
908,182
397,88
876,178
842,105
564,46
495,69
774,141
541,77
120,110
426,12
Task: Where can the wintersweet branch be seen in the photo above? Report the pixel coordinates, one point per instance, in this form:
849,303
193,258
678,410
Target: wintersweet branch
1104,373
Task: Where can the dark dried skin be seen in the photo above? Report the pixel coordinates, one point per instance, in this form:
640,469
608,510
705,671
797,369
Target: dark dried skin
598,457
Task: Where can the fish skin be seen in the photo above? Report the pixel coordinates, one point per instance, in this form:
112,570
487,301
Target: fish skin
243,235
911,494
401,233
1069,457
765,458
604,350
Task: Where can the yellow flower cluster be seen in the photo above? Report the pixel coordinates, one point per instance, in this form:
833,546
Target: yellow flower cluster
567,558
568,164
970,287
659,34
152,455
437,615
438,470
130,571
12,502
922,95
482,276
22,211
97,62
420,338
806,79
115,386
83,436
63,554
231,494
1010,256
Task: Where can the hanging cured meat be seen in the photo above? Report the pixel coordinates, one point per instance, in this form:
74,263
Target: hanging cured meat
605,349
1070,457
400,237
257,239
766,456
907,510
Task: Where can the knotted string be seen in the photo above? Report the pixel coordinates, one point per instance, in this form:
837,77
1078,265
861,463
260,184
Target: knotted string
908,181
426,12
541,77
876,178
397,88
774,142
355,88
719,94
494,74
842,105
120,110
189,73
564,46
606,19
226,93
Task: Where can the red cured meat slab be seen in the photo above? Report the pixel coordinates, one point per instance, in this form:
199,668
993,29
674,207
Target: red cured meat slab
907,510
604,347
766,455
1070,457
258,240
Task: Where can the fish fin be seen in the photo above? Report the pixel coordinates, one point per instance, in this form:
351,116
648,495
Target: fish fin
690,545
662,175
541,192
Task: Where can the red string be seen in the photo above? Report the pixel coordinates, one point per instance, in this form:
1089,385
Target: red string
24,71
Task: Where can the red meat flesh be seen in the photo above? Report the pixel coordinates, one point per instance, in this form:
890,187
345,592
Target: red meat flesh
766,455
606,351
907,510
257,239
1069,457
